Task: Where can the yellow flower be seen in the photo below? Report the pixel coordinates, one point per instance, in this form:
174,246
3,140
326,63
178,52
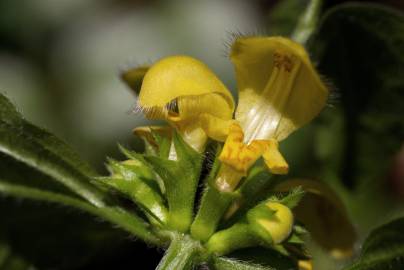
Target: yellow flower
184,91
279,91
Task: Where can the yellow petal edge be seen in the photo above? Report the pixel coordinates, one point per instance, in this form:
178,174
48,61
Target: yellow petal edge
279,89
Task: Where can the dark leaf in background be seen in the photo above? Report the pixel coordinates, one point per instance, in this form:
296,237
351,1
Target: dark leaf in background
54,237
383,249
360,49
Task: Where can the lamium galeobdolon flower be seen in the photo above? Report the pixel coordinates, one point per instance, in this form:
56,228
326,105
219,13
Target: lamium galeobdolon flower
279,91
183,91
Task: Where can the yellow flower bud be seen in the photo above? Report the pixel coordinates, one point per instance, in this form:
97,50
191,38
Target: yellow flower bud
271,221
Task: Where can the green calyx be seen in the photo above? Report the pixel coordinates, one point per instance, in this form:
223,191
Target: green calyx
165,190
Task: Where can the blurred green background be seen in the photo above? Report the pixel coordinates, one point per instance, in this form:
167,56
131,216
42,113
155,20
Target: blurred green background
60,60
60,63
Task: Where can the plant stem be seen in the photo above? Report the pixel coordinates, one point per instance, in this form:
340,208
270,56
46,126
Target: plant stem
182,254
307,22
213,206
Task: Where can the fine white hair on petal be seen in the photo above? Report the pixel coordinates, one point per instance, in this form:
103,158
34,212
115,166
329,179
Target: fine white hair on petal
232,36
151,112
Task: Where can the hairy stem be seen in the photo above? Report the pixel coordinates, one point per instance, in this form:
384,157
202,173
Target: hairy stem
307,22
182,254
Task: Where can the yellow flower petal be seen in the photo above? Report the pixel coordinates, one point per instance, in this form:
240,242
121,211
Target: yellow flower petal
305,265
134,77
200,111
280,225
215,127
237,158
145,132
227,178
186,93
279,90
188,80
239,155
274,159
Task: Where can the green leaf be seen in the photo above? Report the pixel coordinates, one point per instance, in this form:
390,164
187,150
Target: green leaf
33,166
39,150
267,259
19,185
9,115
52,237
383,248
9,260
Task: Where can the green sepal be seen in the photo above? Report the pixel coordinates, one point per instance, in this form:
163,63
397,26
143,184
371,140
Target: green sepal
236,237
180,179
149,149
212,206
138,168
281,249
139,192
254,189
258,180
146,171
163,143
259,212
187,156
297,235
295,244
130,183
292,198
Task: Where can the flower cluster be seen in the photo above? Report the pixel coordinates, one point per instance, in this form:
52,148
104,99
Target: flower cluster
279,91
